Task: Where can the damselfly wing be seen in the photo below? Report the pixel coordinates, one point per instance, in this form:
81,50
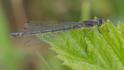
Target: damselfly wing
43,27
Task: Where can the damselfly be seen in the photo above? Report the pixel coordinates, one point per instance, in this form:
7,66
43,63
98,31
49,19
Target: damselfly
44,27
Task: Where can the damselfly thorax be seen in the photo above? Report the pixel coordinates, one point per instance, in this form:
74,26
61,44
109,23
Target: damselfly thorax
36,27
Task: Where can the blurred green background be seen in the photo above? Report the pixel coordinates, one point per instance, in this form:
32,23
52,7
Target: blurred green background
29,53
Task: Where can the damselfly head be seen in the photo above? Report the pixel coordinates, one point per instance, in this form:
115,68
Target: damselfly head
100,21
90,23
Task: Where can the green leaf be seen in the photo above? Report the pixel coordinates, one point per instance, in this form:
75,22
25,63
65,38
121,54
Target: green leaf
96,48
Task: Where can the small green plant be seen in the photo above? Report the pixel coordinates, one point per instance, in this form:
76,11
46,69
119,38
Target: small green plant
96,48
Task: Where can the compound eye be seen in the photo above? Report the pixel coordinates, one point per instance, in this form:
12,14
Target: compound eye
100,21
